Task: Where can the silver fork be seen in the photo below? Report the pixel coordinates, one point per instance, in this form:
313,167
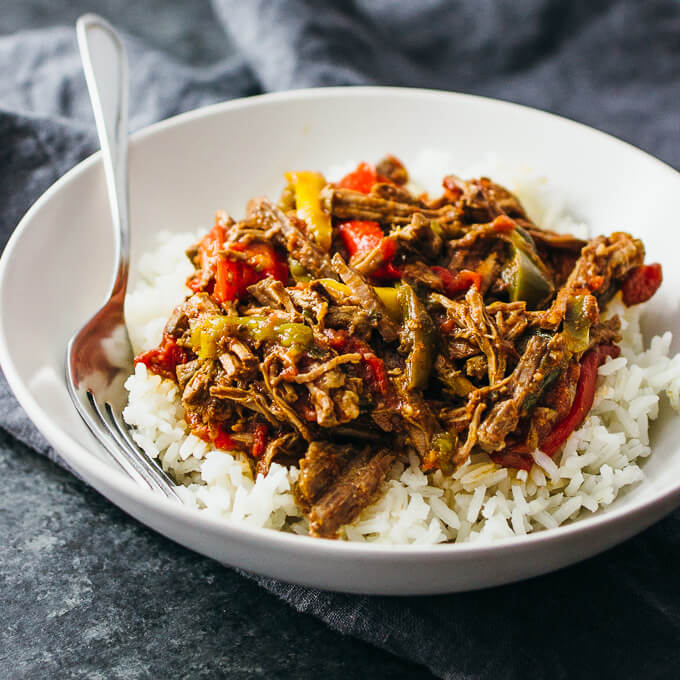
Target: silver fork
99,356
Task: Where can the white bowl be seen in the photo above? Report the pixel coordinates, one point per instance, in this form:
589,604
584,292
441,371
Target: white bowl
56,268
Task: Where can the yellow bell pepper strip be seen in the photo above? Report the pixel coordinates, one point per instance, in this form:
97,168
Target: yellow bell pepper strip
307,187
294,335
206,332
387,295
287,198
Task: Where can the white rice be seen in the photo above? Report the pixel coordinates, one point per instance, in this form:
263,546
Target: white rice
481,501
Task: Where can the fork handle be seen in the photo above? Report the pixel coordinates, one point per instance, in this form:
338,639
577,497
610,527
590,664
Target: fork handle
106,74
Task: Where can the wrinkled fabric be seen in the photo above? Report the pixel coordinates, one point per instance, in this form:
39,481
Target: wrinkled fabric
46,127
607,63
613,65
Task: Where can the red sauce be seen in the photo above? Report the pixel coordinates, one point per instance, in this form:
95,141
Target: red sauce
163,360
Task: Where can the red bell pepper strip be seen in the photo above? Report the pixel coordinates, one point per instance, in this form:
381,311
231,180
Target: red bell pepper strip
164,359
583,400
362,179
459,281
210,245
641,284
361,236
232,277
264,260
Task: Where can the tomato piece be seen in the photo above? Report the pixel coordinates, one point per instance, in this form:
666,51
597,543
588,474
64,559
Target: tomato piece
512,459
372,367
259,440
194,283
583,399
388,272
212,433
378,373
459,281
504,224
208,255
641,284
223,441
337,339
164,359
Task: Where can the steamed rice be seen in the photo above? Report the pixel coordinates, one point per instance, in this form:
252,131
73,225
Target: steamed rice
481,501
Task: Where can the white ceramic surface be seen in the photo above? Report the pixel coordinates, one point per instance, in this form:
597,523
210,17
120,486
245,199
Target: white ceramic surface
55,271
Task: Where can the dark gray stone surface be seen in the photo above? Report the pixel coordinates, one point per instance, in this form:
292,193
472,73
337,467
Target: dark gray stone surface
87,592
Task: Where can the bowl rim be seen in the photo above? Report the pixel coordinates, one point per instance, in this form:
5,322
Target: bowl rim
101,473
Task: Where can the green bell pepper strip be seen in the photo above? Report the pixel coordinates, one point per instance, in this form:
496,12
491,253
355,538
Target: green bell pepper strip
419,335
298,272
457,384
206,334
577,324
525,275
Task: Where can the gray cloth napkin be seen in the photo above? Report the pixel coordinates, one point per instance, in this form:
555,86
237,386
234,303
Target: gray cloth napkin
614,65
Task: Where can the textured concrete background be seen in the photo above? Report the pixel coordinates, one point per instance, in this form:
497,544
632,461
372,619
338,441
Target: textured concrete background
87,592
